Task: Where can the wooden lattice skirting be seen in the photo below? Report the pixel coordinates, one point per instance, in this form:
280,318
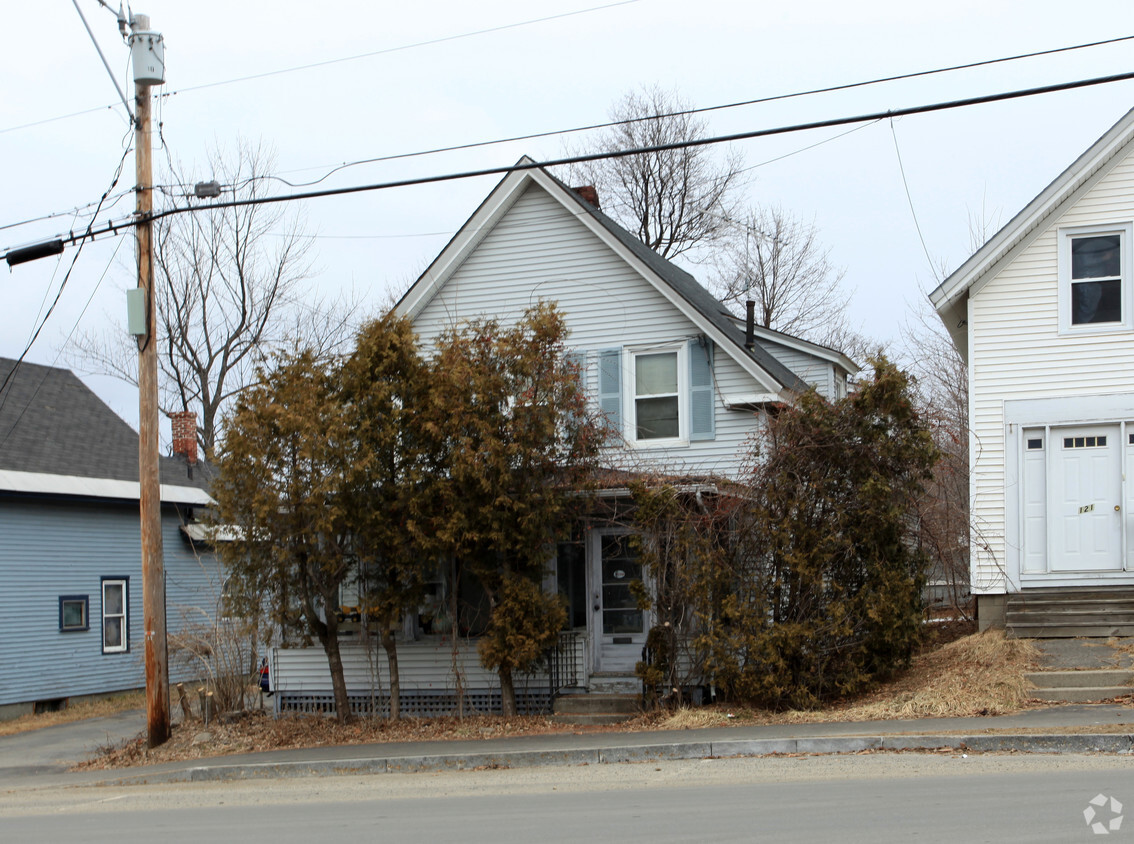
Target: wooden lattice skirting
414,702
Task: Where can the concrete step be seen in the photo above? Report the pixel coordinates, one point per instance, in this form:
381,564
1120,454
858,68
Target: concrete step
1082,694
594,719
595,708
1096,678
597,704
1032,630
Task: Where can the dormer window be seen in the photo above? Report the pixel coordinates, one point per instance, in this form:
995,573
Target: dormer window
1094,279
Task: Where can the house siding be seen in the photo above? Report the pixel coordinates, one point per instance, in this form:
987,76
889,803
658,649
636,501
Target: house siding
1017,353
818,373
50,548
540,249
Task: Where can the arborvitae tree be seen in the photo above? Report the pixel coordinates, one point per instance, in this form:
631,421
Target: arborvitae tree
826,571
284,468
385,385
519,444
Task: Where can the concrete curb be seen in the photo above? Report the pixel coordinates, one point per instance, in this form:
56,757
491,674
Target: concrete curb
1024,743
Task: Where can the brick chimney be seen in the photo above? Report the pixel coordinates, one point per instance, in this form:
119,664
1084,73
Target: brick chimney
185,435
588,194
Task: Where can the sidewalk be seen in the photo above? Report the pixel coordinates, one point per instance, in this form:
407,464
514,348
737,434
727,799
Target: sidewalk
1095,728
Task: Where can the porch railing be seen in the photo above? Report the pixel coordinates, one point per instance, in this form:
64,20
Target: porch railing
565,659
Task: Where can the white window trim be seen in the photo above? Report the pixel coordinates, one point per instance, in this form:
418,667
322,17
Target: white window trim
629,394
1066,235
125,616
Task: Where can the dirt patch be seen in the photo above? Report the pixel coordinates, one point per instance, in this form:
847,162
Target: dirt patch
981,674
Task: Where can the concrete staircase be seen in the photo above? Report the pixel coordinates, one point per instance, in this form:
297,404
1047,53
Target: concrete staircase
1081,686
1067,612
596,708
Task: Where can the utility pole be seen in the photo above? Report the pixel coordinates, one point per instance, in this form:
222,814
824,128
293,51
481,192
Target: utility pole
148,55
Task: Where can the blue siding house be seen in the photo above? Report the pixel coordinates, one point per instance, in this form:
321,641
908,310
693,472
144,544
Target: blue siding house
70,544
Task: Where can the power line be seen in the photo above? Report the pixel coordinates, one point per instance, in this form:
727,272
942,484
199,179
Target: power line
429,43
705,110
296,68
624,153
909,199
63,285
610,124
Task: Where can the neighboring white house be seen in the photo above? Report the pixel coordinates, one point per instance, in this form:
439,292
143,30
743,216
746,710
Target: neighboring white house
1044,315
663,359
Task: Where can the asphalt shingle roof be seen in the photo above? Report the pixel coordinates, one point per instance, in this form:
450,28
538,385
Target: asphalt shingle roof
52,423
692,291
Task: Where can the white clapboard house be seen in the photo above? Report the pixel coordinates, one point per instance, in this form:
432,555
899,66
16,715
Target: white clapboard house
630,312
1044,315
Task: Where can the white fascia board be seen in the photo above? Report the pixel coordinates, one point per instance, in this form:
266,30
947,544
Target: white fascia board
474,230
45,484
748,401
799,344
1090,166
688,311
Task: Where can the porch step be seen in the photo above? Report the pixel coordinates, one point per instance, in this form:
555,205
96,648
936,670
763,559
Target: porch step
1081,686
595,708
1070,612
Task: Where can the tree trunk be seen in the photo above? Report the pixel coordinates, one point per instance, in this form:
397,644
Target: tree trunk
391,646
338,679
507,692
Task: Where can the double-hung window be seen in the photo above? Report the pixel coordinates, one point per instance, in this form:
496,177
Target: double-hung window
657,396
115,614
1094,279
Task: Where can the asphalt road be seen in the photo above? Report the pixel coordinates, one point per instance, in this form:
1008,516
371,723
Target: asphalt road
869,798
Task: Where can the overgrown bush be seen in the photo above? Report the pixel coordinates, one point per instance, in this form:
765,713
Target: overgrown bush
826,571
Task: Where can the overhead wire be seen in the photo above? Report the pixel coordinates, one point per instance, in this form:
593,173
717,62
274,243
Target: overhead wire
66,340
624,153
701,110
296,68
66,277
166,189
909,199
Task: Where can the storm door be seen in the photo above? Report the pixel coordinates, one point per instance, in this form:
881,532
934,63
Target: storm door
619,625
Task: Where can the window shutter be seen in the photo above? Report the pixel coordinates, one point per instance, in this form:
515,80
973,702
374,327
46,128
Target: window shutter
610,387
702,416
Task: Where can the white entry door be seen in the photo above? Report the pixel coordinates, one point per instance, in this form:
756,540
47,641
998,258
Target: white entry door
1085,499
619,625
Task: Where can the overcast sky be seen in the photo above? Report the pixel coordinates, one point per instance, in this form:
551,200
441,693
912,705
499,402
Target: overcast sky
981,163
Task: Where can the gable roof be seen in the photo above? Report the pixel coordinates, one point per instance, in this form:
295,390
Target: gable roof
678,286
1100,158
55,431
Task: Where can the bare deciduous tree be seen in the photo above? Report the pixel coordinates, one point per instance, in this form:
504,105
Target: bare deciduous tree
776,260
228,292
673,200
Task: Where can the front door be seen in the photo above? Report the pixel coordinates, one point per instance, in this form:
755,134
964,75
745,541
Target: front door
1085,501
618,623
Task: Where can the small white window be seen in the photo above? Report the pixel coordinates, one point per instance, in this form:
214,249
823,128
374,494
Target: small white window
115,607
1094,279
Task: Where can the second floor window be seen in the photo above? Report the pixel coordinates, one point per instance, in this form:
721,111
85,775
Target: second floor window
1096,279
657,405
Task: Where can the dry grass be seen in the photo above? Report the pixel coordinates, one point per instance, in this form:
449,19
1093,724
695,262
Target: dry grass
99,708
257,731
981,674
